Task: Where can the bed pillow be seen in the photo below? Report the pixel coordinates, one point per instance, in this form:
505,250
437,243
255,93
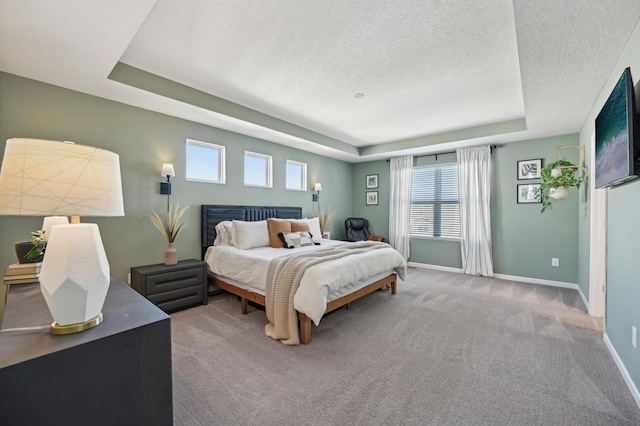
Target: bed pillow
296,239
248,235
314,228
276,226
299,225
224,232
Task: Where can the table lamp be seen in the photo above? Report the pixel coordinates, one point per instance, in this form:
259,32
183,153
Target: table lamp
46,178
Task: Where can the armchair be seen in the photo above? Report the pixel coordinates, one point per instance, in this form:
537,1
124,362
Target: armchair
357,229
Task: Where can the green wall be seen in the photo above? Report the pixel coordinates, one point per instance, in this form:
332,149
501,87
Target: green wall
622,231
144,140
378,216
524,240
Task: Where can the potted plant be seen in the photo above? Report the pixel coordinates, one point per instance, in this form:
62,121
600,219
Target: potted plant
32,251
557,178
169,226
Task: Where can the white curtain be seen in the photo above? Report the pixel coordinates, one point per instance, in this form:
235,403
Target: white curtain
474,187
400,204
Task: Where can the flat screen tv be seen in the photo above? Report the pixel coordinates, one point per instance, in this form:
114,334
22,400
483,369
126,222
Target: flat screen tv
617,136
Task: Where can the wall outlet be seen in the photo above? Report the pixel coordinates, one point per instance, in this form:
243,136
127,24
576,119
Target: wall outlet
555,261
129,278
634,337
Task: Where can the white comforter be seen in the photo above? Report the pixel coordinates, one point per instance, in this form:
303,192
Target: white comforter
321,283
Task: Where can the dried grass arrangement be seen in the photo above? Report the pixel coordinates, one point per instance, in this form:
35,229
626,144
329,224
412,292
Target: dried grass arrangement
325,218
169,225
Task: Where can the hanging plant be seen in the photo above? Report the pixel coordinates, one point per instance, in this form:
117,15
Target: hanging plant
557,178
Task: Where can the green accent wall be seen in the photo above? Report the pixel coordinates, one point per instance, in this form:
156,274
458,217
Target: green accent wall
622,305
144,140
524,240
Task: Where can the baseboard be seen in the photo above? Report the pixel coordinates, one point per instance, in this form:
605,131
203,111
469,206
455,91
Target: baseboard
436,267
584,300
551,283
623,370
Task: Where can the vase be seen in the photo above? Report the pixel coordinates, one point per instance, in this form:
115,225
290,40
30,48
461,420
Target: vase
170,255
559,193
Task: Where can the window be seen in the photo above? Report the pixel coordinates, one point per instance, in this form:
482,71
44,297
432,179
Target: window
257,169
434,202
205,162
296,176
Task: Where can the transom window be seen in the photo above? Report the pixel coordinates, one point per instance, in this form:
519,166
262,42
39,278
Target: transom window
257,169
205,162
296,175
434,202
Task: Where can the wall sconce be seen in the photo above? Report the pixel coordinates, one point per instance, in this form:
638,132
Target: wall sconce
316,192
165,187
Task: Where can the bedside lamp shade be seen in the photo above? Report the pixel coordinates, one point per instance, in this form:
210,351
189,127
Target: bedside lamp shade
45,178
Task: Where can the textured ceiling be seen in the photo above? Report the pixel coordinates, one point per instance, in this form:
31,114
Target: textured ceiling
434,74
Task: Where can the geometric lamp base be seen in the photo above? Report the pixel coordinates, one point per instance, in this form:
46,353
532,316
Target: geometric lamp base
75,328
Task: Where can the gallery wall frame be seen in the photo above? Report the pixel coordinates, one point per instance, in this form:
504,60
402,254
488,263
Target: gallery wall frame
372,181
528,193
529,169
372,198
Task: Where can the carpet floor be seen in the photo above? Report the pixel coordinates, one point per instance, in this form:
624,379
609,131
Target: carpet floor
448,349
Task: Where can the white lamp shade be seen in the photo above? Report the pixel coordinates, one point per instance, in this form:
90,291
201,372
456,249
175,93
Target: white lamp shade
51,221
318,187
75,274
167,170
43,178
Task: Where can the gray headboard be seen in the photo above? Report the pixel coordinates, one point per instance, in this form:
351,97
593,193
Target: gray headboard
212,214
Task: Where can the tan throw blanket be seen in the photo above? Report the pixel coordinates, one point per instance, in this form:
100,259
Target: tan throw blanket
283,278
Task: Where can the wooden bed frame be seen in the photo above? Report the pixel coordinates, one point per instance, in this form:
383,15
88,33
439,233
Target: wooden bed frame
213,214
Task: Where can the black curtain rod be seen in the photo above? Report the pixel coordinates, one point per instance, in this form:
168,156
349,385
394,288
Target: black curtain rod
491,148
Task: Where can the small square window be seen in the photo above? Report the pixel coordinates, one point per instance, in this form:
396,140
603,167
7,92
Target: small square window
296,175
257,170
205,162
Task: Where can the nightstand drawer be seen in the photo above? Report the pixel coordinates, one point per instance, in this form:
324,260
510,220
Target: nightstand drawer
178,298
168,281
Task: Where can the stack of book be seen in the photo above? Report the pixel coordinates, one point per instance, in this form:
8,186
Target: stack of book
22,273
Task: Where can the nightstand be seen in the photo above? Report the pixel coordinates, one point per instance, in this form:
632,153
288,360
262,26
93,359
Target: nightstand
172,287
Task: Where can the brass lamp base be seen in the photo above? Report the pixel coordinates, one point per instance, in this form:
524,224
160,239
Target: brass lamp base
75,328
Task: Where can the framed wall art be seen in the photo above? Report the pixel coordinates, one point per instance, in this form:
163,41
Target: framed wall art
530,169
372,181
372,198
529,193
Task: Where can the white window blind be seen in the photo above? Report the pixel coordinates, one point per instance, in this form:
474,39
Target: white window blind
434,201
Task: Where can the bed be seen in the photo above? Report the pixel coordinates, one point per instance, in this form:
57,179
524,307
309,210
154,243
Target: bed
331,273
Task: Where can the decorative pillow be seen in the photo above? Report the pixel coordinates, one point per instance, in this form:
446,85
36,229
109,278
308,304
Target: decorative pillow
247,235
277,226
375,238
224,231
299,225
296,239
314,228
